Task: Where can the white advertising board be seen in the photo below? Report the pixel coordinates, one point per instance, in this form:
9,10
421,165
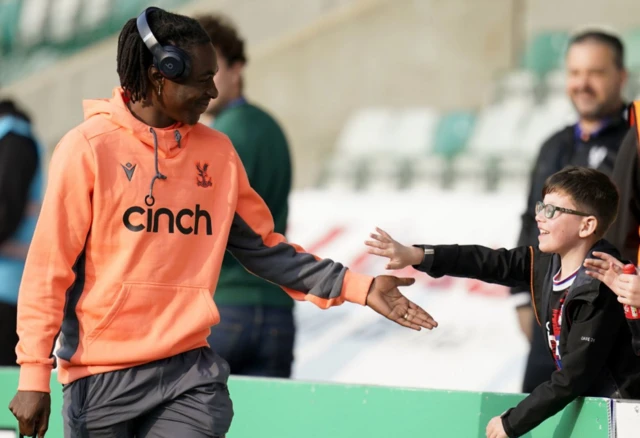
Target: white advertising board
478,345
627,419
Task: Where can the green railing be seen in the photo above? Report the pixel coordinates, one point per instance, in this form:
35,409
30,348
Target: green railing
292,409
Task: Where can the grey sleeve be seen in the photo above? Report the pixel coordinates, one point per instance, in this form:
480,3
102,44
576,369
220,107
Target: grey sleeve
286,265
268,255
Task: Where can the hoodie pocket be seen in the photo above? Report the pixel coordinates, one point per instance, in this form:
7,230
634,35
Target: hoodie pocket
147,319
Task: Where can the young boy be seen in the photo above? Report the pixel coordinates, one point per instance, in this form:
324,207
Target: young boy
585,325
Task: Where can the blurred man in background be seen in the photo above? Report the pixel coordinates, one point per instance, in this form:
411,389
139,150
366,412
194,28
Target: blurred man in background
20,195
257,331
596,77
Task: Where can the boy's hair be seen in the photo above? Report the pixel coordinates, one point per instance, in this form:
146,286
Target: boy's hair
134,58
592,191
613,42
224,37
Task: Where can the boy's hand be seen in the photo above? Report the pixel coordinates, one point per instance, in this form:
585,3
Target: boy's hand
399,256
608,270
32,410
385,298
495,429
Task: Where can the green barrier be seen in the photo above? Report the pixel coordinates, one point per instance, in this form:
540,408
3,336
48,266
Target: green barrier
293,409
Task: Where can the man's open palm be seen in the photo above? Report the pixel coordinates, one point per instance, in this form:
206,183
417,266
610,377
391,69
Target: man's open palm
385,298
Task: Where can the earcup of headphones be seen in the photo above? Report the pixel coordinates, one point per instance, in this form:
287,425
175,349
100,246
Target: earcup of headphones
175,64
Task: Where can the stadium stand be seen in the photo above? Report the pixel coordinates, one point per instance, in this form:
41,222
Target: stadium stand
488,149
545,52
631,40
34,34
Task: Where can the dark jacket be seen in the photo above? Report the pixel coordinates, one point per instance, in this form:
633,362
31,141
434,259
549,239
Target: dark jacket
18,165
595,339
624,231
566,148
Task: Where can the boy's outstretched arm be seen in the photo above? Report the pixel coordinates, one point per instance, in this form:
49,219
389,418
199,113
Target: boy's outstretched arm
594,328
304,276
506,267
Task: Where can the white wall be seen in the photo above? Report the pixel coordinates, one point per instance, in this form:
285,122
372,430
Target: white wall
400,53
573,14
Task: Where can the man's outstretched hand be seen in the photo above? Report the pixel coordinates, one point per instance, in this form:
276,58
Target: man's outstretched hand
32,410
385,298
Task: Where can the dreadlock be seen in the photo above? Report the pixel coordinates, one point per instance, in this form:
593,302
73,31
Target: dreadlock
134,58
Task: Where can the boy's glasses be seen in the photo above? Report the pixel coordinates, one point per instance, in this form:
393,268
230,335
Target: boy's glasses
550,210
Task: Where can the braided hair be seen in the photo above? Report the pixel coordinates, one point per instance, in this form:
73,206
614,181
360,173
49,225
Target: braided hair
134,58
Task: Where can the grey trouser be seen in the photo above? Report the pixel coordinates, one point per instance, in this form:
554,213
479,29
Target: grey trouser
182,396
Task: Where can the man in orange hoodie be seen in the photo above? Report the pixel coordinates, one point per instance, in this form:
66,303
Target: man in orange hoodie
142,203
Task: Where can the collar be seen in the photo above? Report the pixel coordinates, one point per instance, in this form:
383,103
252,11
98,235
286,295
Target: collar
578,135
236,103
620,116
584,287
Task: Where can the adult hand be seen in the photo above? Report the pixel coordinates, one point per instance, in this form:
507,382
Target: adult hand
32,410
608,270
385,298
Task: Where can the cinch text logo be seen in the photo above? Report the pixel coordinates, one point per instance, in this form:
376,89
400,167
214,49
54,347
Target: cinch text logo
186,221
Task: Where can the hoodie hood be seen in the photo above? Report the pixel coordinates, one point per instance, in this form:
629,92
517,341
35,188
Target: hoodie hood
163,142
168,141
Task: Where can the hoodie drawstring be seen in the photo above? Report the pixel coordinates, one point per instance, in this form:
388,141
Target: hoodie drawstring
149,199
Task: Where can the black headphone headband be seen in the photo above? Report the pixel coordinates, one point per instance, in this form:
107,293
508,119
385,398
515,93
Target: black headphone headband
147,36
172,62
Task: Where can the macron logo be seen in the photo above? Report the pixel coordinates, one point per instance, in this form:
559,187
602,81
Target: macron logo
128,170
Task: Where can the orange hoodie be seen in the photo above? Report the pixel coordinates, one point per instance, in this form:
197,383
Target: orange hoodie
126,283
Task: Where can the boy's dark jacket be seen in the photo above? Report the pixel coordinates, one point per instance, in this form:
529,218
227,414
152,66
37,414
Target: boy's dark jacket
595,342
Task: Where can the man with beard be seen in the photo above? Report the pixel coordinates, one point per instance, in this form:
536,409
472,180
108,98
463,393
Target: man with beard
595,78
